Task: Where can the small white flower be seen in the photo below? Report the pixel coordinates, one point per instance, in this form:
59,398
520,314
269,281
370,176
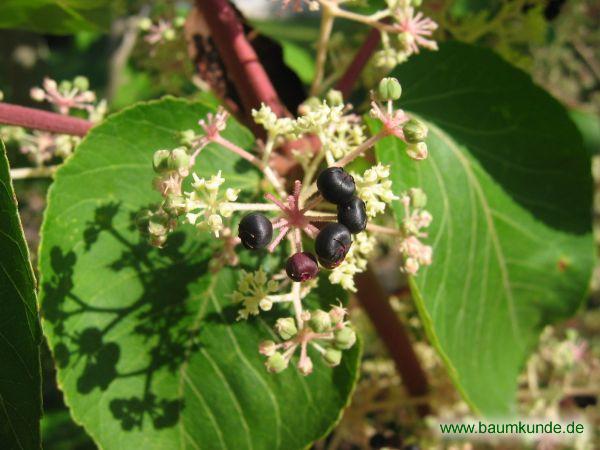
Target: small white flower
375,188
355,262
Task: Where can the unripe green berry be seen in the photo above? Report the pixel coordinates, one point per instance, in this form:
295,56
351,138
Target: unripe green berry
286,328
178,159
414,131
65,86
389,89
160,160
276,363
319,321
344,338
332,356
81,83
267,348
418,198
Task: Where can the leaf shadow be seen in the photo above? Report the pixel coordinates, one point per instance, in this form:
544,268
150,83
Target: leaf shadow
159,317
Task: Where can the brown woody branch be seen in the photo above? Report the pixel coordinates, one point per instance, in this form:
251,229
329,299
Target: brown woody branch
390,329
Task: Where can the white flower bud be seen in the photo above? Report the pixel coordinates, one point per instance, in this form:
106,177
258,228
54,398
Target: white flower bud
37,94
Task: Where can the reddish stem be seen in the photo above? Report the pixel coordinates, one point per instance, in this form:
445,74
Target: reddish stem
241,61
374,301
43,120
346,83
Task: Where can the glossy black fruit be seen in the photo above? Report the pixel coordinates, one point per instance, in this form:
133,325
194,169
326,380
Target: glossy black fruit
336,185
353,214
302,266
255,231
332,244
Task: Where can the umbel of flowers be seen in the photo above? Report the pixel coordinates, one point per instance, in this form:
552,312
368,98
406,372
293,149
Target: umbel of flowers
318,239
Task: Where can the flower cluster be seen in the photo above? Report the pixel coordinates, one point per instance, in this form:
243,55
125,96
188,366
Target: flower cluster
68,95
327,332
414,253
410,30
338,242
161,31
375,188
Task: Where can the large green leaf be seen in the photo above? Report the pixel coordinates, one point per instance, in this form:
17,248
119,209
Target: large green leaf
57,16
509,188
20,381
148,350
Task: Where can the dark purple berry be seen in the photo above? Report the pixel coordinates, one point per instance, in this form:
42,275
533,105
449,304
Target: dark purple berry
255,231
332,244
336,185
353,214
302,266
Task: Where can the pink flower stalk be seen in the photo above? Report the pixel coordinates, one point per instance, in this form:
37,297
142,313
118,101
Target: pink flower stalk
157,31
292,217
417,27
75,98
212,126
392,120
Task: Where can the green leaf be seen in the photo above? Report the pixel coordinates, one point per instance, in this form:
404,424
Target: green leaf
147,346
20,381
58,16
589,126
509,188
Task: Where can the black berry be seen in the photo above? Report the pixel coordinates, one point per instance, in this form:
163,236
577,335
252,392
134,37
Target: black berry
332,244
255,231
336,185
302,266
353,214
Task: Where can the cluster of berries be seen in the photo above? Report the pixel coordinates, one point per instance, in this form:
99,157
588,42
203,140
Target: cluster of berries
332,242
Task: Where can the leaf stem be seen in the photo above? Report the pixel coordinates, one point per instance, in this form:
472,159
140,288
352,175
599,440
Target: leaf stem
327,19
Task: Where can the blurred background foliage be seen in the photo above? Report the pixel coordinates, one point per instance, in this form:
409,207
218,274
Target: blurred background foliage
556,41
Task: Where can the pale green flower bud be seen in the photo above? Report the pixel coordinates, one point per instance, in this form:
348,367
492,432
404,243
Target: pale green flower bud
81,83
320,321
334,97
344,338
145,24
65,86
38,94
405,40
418,198
389,89
158,224
414,131
276,363
142,221
160,160
180,21
179,159
417,151
1,96
286,328
332,356
169,34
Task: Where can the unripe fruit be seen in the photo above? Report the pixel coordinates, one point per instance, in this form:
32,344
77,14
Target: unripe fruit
286,328
276,363
160,160
332,356
414,131
81,83
302,266
178,159
320,321
336,185
255,231
389,89
332,244
353,214
344,338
